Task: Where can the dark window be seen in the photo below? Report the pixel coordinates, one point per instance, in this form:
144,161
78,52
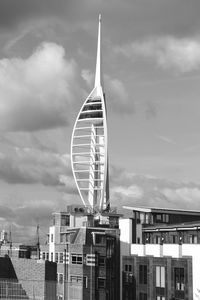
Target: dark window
102,261
56,257
101,283
77,259
100,239
61,257
65,220
47,257
179,278
79,280
128,268
143,274
52,238
142,296
51,256
43,255
174,239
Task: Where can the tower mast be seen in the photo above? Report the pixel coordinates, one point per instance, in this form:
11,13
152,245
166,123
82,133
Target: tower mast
89,153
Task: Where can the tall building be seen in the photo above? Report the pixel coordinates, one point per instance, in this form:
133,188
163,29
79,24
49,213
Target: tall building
89,155
84,240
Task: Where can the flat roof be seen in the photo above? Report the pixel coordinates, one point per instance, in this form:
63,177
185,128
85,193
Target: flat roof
177,211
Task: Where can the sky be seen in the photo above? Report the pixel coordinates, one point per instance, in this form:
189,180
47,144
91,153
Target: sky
151,67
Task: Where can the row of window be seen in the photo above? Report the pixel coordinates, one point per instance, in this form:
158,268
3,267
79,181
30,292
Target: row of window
174,239
82,280
76,259
179,276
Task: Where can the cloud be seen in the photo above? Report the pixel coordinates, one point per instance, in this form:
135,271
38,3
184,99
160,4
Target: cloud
181,55
133,189
36,93
30,166
165,139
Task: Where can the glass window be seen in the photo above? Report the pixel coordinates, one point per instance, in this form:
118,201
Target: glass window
101,283
56,257
78,279
179,278
47,256
100,239
160,276
102,261
77,259
143,274
65,220
43,255
142,296
51,256
61,257
128,268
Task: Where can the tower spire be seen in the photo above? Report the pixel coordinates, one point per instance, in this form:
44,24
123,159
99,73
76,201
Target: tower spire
98,74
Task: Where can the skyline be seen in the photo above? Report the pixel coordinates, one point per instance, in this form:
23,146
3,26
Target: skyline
151,65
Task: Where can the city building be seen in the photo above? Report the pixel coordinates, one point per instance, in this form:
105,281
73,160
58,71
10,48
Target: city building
160,255
84,239
27,279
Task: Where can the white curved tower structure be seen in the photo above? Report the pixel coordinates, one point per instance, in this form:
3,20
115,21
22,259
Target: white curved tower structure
89,154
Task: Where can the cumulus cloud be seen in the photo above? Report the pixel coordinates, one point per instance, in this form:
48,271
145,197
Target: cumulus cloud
29,166
133,189
182,55
36,92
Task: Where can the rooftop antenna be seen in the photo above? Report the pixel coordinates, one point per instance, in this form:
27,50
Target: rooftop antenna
38,241
98,74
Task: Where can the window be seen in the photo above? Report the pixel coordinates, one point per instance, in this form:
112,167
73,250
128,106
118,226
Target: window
179,279
193,239
61,258
143,274
160,298
158,217
174,239
77,259
160,276
128,268
78,279
60,278
101,283
51,256
65,220
47,256
102,261
56,257
142,296
100,239
43,255
52,238
157,239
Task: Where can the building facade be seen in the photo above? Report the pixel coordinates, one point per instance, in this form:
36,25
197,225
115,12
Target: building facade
87,254
160,254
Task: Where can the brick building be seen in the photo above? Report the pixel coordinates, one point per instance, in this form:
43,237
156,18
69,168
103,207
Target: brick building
27,279
87,252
